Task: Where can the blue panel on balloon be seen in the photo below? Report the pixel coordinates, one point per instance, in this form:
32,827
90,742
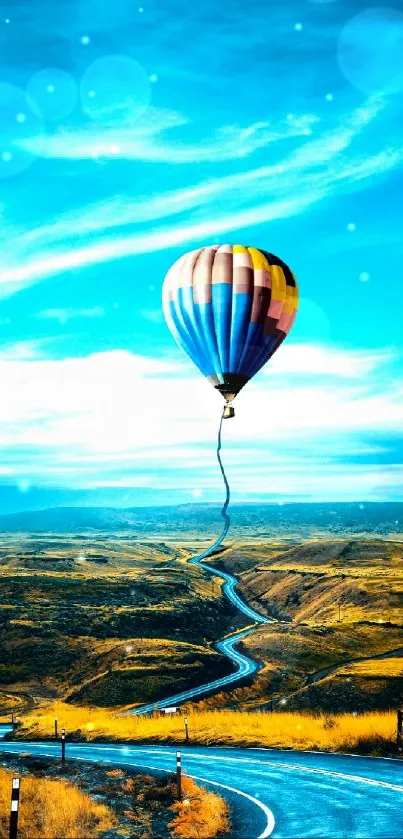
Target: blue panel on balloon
241,309
254,345
184,339
190,318
256,361
222,310
204,313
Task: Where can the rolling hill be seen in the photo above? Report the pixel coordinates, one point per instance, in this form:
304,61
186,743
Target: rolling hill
254,520
339,643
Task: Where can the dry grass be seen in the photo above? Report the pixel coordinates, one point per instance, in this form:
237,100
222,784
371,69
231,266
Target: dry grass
385,668
53,809
310,580
336,732
200,814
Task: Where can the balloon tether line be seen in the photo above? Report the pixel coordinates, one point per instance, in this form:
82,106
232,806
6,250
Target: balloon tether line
224,513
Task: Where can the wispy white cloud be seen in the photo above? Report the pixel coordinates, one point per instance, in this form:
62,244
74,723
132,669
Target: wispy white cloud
63,315
318,360
230,142
121,419
18,276
321,166
153,315
23,350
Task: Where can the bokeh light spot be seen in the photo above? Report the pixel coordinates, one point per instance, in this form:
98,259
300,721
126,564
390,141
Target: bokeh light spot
15,156
370,50
52,93
115,89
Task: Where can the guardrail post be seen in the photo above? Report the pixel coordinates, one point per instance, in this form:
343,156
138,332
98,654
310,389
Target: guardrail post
55,728
15,800
399,737
179,776
63,746
186,730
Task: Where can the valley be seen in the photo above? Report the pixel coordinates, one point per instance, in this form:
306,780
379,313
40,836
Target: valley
112,620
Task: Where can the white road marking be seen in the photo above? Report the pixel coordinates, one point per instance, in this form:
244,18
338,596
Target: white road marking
324,754
266,810
273,764
298,768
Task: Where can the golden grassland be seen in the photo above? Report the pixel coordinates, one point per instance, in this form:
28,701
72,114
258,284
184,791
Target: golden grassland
53,809
385,668
107,620
200,814
310,581
104,620
368,733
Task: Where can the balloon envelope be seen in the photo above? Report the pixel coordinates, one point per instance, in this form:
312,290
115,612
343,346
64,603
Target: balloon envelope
229,308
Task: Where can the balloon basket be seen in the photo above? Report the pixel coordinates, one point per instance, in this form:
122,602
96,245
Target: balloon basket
228,412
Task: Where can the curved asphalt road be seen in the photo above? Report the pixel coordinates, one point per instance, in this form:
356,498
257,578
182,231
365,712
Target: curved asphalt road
245,666
229,589
283,794
288,795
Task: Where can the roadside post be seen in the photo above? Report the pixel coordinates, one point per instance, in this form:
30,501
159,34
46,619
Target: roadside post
55,728
186,730
179,776
399,738
63,746
15,800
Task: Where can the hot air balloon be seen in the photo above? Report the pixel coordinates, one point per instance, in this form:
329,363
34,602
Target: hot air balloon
229,307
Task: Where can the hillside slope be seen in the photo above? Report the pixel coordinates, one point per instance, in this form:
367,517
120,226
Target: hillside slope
105,621
339,601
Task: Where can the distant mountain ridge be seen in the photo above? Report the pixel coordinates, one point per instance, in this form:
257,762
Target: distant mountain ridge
203,520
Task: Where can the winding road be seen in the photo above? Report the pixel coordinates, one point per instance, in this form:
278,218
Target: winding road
245,666
271,792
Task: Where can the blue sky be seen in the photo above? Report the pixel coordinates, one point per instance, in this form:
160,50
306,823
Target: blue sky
133,133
